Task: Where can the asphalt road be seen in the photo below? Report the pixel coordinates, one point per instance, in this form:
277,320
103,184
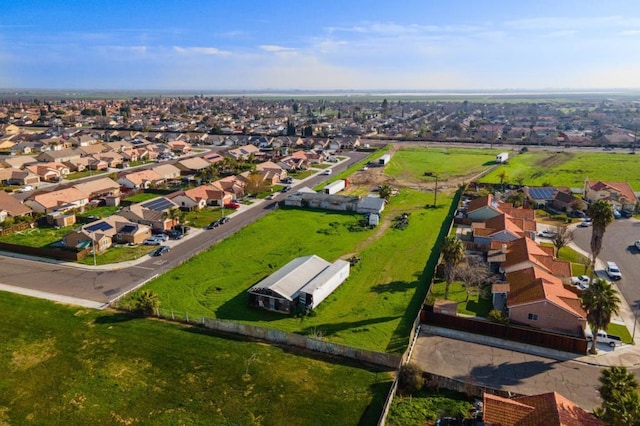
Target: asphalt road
105,285
618,247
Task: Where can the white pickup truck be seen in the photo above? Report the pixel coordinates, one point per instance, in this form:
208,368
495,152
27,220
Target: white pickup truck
608,339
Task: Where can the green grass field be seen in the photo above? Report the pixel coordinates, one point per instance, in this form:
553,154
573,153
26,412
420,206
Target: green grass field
476,305
373,309
37,237
425,407
117,254
65,365
412,163
568,169
143,196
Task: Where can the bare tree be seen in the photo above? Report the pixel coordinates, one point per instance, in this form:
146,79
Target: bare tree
563,237
475,276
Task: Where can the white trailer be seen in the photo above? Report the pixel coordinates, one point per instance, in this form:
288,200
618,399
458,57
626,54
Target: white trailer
502,157
384,160
335,187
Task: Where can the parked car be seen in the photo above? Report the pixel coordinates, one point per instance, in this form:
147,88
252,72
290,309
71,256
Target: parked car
288,179
584,224
327,172
637,244
364,168
626,213
547,234
160,251
161,237
232,205
224,220
153,241
286,189
26,188
582,279
578,213
270,197
603,337
617,214
613,271
174,235
213,224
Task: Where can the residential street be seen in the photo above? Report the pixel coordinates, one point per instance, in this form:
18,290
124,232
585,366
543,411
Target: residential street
104,283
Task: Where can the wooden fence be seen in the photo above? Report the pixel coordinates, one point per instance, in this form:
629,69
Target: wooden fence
59,254
511,332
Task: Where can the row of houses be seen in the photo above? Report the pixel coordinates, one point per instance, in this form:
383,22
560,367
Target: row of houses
536,290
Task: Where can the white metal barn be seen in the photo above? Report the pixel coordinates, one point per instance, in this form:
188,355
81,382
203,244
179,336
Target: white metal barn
305,280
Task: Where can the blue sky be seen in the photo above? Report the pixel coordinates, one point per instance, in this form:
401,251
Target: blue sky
321,45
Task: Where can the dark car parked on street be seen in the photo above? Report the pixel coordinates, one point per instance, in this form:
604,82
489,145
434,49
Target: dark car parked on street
160,251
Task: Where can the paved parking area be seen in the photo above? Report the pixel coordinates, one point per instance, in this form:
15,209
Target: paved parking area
507,369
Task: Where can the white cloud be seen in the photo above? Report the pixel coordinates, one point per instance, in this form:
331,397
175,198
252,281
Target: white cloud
201,51
275,48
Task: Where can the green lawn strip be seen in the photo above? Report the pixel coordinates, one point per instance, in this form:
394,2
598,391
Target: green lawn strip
476,305
37,237
66,365
302,174
373,309
78,175
568,169
444,162
102,211
202,218
117,254
425,407
142,196
621,331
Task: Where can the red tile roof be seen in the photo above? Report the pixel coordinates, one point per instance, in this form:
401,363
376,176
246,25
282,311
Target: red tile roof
549,409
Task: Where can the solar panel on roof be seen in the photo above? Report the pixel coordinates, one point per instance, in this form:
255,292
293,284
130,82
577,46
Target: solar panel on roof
128,229
159,204
541,193
100,226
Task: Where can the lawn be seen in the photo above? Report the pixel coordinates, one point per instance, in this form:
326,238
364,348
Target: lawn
621,331
102,211
569,169
119,253
373,309
201,218
141,197
66,365
475,306
412,163
78,175
37,237
425,407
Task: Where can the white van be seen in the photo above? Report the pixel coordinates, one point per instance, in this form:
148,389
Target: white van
613,271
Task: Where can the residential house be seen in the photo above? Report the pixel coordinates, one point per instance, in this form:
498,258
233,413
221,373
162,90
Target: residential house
10,207
11,176
192,165
168,172
549,409
93,149
304,281
111,158
233,187
179,147
539,197
619,194
155,213
98,188
524,253
140,179
60,200
18,162
502,228
271,172
539,299
198,197
564,200
60,156
46,173
101,234
483,208
213,157
243,153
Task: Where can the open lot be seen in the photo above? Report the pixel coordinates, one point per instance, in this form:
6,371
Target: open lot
373,309
568,168
64,365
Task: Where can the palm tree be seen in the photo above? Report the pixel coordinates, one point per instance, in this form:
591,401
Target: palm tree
601,215
385,191
503,176
600,301
452,254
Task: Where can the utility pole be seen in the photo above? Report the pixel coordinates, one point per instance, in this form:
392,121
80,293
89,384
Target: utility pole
435,193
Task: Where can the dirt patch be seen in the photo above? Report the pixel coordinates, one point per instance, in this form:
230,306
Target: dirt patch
554,160
27,355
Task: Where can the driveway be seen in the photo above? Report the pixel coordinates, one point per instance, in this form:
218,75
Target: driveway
618,247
